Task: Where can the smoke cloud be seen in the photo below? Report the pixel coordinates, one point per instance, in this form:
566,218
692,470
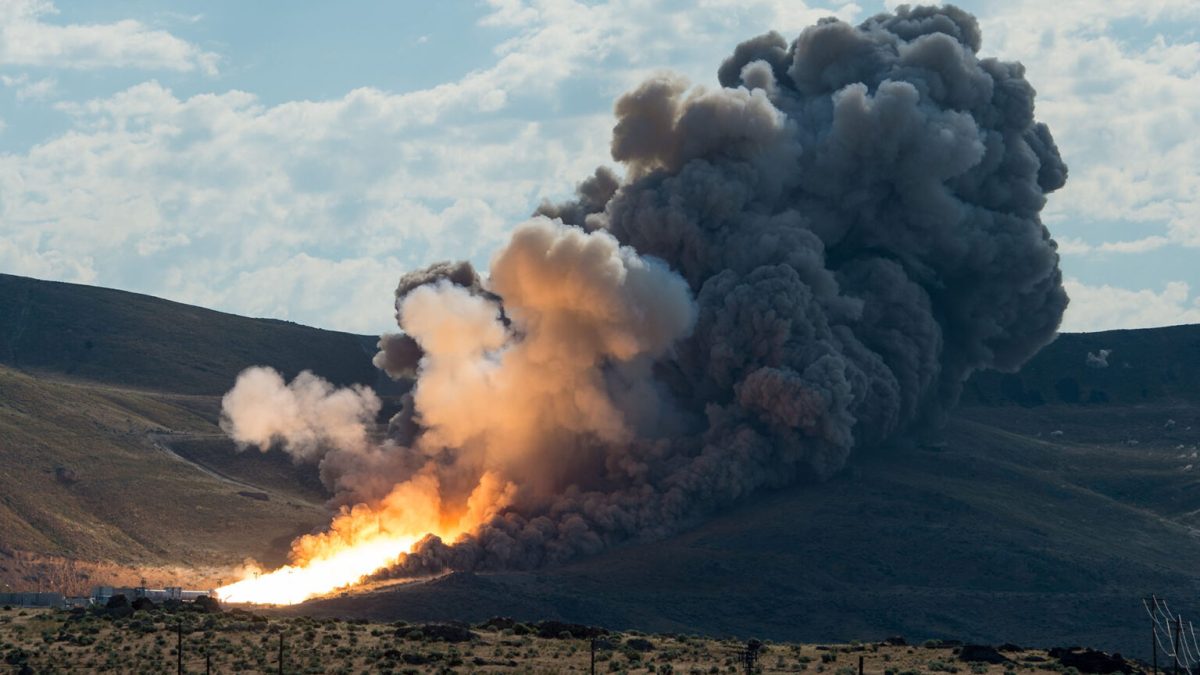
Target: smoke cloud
306,417
1098,358
809,258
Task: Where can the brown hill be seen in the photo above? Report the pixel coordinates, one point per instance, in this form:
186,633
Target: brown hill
1006,534
135,340
1063,493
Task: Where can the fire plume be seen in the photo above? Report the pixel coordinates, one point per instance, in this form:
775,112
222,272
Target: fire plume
363,539
298,582
509,409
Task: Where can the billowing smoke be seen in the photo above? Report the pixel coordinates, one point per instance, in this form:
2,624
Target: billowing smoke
812,257
307,416
1098,358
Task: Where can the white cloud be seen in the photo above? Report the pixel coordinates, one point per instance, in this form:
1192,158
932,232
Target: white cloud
221,200
27,39
1105,307
1122,107
227,188
308,210
21,253
1077,246
1073,246
302,286
30,90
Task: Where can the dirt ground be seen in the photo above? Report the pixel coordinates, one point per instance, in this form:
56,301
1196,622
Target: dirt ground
146,641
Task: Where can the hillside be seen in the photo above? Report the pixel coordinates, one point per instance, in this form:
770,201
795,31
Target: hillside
84,474
109,446
1140,366
134,340
1062,494
1000,536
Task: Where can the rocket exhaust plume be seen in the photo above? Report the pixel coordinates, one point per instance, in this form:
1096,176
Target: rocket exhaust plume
810,258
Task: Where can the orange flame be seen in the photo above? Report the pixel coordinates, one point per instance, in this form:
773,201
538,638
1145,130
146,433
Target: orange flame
365,539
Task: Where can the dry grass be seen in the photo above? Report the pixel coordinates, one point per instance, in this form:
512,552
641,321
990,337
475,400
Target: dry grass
145,642
81,477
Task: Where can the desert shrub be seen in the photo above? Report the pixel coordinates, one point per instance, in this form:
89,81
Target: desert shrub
207,604
142,604
448,632
941,667
498,623
639,644
554,629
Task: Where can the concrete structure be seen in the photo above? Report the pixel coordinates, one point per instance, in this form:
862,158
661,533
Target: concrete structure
32,599
102,594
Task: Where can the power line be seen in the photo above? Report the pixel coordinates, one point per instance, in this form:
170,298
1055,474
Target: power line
1171,637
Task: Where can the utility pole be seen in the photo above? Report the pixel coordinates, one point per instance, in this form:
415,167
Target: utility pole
860,664
1178,630
179,647
593,656
1154,635
750,655
281,651
207,661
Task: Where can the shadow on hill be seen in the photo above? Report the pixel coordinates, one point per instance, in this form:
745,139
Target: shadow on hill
116,337
1118,366
998,537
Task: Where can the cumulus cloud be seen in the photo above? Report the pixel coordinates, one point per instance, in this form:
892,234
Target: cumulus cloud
235,192
1077,246
28,39
28,89
1105,307
168,179
1135,165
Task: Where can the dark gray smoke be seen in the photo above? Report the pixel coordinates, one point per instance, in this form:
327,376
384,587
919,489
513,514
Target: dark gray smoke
856,216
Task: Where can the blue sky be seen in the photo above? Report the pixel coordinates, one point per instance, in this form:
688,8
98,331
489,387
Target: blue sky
294,163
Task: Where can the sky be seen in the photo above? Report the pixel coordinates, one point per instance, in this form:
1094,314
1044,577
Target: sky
292,160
